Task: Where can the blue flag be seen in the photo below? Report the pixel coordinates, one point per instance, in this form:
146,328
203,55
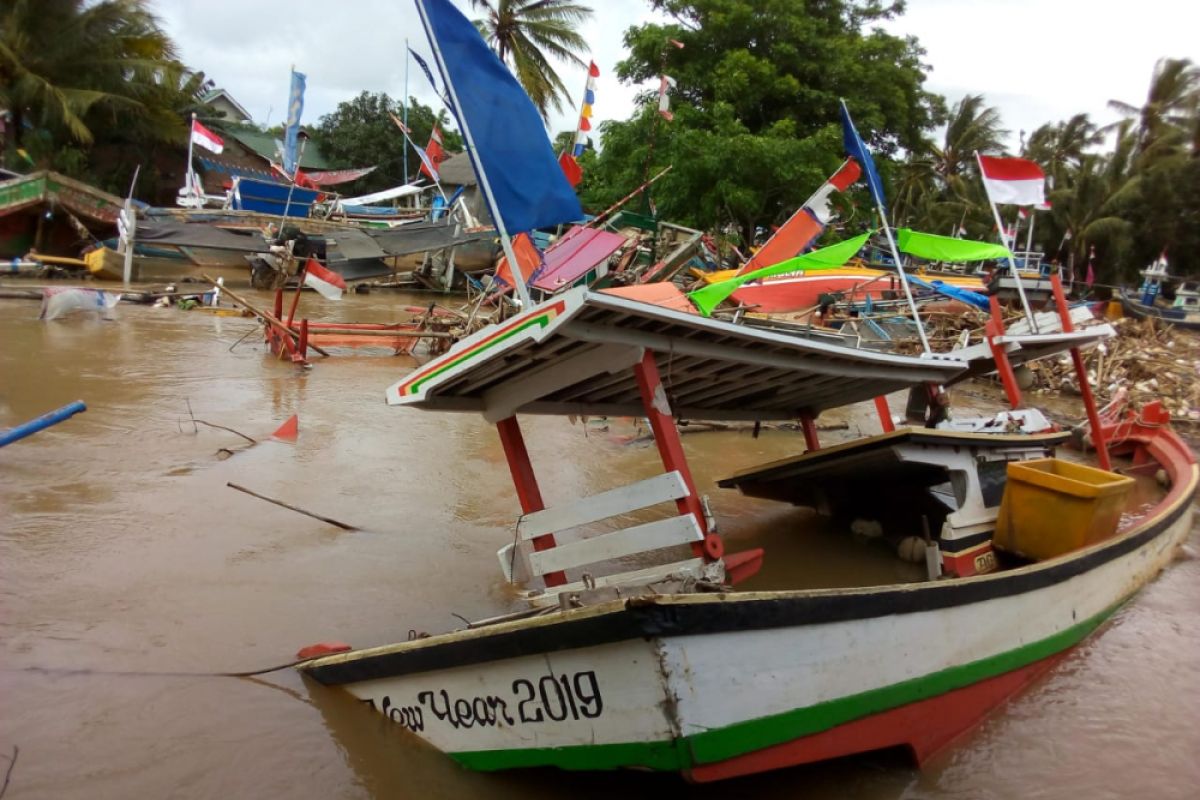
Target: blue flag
291,133
429,74
858,151
506,139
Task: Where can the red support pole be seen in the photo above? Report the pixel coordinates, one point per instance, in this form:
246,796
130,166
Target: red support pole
296,298
528,493
885,414
808,424
1085,388
670,449
1008,378
304,338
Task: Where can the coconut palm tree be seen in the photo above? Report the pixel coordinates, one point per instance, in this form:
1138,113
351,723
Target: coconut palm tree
65,62
1060,147
973,127
526,34
1170,109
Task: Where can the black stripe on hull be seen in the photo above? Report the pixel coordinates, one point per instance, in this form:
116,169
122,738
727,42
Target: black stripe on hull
723,613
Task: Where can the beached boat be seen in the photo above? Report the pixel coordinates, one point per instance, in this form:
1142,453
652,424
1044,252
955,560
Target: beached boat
636,651
1183,311
662,666
807,281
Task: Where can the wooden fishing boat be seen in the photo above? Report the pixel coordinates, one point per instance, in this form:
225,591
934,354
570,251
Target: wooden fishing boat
636,650
628,662
1183,311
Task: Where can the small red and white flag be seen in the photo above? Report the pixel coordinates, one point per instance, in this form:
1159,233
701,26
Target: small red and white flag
1016,181
434,155
206,138
327,282
664,102
1022,214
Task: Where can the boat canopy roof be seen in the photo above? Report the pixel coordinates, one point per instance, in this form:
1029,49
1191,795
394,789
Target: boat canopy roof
199,234
932,247
874,461
574,354
415,237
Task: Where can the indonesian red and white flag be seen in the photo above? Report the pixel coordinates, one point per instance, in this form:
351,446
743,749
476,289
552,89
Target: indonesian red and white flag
327,282
206,138
1016,181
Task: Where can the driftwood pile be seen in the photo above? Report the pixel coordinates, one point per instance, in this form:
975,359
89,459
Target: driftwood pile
1148,359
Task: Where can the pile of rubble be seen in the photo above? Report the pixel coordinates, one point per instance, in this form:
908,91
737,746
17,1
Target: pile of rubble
1150,360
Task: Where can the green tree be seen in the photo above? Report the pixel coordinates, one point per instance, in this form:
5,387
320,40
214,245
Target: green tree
1169,114
68,67
756,106
527,34
938,185
361,132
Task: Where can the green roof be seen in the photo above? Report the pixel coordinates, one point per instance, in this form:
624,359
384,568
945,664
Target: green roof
264,144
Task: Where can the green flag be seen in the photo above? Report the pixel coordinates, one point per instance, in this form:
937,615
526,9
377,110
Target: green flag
946,248
832,257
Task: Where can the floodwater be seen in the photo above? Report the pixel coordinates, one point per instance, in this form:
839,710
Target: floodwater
127,566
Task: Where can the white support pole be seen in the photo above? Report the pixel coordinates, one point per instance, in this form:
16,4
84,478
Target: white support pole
1012,264
130,230
484,184
407,59
904,280
895,252
1029,238
190,178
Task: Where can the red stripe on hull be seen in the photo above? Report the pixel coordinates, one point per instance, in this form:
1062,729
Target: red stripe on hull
925,727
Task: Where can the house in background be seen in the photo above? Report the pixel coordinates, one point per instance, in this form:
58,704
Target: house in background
249,153
222,102
457,171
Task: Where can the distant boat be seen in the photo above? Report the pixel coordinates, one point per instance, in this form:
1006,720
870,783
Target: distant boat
1183,312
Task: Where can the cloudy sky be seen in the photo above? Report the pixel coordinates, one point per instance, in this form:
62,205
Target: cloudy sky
1036,60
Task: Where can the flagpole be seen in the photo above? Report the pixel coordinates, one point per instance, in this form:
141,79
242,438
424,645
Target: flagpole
407,58
1029,238
484,183
903,278
887,231
579,125
190,173
1012,264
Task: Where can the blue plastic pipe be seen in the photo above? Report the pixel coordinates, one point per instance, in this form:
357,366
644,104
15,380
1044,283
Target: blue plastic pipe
44,421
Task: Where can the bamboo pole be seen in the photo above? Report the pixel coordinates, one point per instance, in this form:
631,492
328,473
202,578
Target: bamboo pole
289,507
270,319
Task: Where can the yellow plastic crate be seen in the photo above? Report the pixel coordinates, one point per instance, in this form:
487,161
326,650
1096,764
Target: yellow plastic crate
1052,507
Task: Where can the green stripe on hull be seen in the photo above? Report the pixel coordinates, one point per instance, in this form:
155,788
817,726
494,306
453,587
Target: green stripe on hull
745,737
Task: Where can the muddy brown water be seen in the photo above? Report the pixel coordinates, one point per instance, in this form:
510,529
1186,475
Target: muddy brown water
125,559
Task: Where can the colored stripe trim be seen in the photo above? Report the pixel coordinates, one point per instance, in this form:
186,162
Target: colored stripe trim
745,737
541,319
724,613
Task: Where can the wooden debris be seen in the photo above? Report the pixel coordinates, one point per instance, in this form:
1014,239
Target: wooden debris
1148,359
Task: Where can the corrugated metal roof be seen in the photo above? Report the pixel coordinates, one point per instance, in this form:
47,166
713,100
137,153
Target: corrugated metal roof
264,145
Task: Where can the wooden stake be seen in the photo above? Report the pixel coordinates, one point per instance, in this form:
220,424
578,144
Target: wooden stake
333,522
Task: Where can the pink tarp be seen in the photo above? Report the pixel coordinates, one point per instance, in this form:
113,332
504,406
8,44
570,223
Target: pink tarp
571,257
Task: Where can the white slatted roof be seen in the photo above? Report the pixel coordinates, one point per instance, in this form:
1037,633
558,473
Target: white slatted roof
573,355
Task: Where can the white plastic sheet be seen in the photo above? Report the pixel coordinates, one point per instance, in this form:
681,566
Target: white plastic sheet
57,301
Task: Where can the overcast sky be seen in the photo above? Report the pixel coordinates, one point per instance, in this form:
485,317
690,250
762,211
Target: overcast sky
1036,60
